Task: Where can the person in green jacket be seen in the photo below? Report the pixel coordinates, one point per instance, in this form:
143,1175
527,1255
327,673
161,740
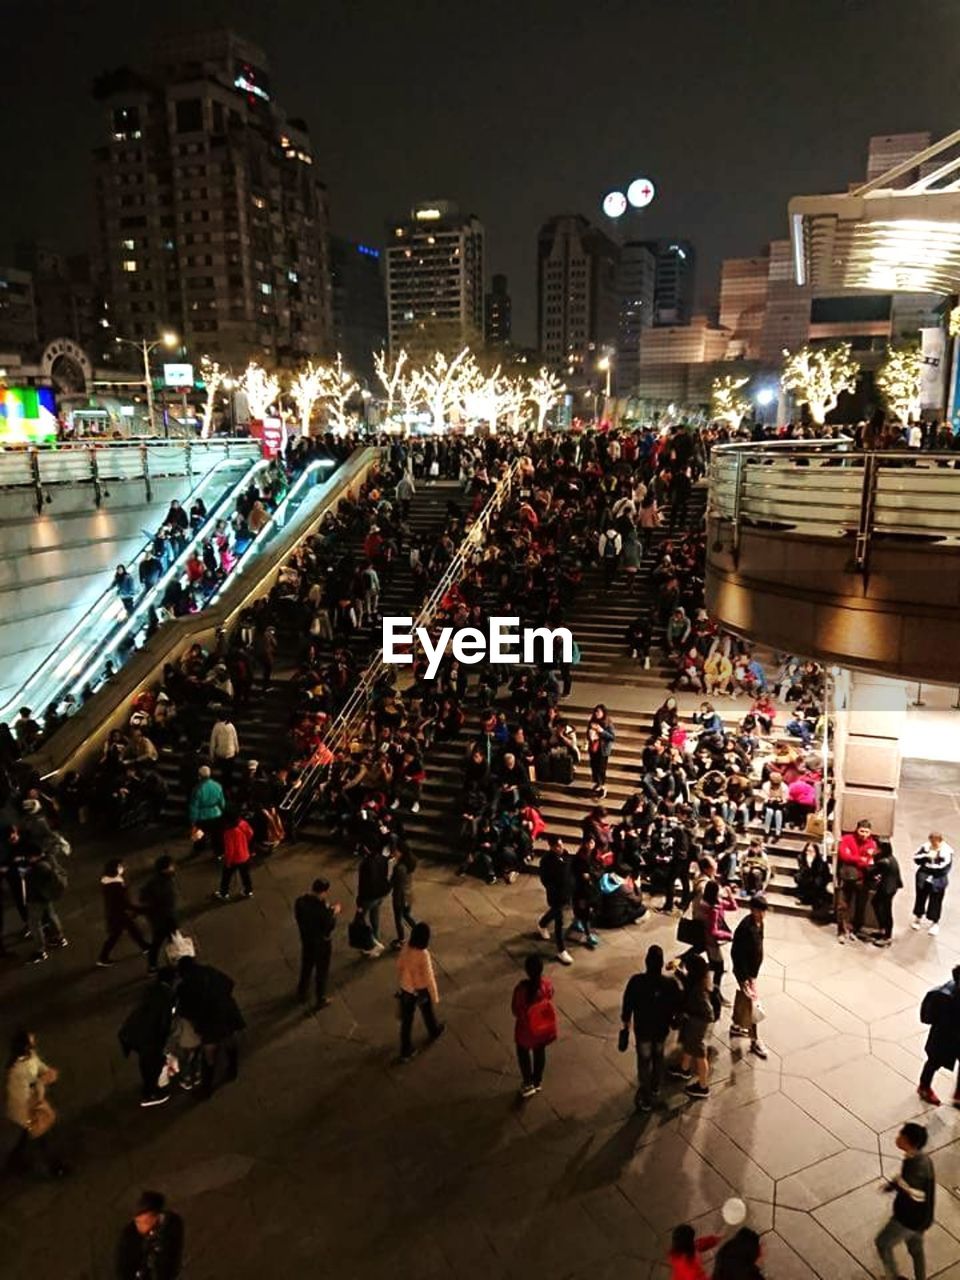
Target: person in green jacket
207,805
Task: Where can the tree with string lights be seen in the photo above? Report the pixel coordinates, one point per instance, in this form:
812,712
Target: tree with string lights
899,379
213,377
726,403
390,376
260,388
445,384
306,388
545,392
337,388
819,375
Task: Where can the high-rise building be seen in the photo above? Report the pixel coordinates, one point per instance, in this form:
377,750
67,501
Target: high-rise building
676,265
636,287
577,300
434,280
359,304
497,322
744,284
212,219
68,297
18,311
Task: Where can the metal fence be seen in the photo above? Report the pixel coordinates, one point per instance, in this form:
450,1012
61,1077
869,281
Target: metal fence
347,723
827,489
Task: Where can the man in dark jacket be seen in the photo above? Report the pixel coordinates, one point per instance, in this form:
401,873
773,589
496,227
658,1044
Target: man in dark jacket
146,1031
205,998
650,1002
151,1245
158,900
940,1010
373,886
43,885
316,920
556,876
746,957
118,912
914,1189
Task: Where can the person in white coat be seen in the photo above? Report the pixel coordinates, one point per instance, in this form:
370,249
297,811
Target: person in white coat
933,861
224,746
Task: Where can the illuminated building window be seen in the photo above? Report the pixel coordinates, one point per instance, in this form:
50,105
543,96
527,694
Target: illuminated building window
129,264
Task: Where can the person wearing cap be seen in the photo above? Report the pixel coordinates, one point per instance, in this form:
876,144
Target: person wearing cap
746,956
151,1244
207,805
855,854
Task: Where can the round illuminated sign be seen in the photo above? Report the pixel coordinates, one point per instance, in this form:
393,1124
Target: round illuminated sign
614,204
640,192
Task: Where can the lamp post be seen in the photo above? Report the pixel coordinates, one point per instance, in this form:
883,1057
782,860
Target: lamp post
167,339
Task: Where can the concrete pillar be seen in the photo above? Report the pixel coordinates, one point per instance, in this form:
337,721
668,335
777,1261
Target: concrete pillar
872,725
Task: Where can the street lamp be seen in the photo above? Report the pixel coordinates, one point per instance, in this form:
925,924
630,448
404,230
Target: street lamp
167,339
604,364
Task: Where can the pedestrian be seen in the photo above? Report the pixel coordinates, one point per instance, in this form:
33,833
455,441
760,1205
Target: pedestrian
914,1189
746,959
556,876
316,920
739,1257
535,1024
205,999
44,884
601,734
125,587
697,1015
237,834
933,861
146,1031
940,1011
855,854
418,989
401,894
151,1244
651,1002
159,903
27,1080
119,913
686,1249
373,885
207,807
224,746
887,882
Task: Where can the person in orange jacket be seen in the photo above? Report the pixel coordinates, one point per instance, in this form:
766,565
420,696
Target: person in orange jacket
855,854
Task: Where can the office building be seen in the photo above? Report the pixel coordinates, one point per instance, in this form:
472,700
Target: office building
497,324
744,283
68,297
359,304
212,220
636,288
577,299
18,311
676,268
434,280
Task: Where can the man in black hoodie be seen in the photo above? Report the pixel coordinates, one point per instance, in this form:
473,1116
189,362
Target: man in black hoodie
151,1245
650,1003
316,920
556,876
746,957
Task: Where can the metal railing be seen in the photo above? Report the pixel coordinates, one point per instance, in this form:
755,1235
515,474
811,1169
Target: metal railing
297,802
827,489
43,467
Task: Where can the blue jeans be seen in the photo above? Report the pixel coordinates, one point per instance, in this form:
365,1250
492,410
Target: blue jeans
772,818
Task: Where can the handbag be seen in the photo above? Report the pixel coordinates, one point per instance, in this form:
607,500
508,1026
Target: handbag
42,1118
814,825
359,933
691,932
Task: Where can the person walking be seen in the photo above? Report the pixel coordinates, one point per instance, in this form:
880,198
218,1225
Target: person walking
855,854
44,884
940,1011
373,886
119,913
146,1031
316,919
159,903
556,876
237,834
206,1000
601,735
401,894
207,807
739,1257
887,882
535,1024
151,1244
914,1190
686,1249
697,1011
651,1002
27,1107
746,959
418,989
933,861
224,747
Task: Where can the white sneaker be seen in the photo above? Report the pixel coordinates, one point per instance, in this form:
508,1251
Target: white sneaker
565,957
415,808
545,934
915,922
933,930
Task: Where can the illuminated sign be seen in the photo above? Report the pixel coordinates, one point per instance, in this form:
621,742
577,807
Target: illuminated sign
614,204
246,81
178,375
426,215
640,192
28,415
367,251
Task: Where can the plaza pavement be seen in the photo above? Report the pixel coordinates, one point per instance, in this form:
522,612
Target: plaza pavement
326,1158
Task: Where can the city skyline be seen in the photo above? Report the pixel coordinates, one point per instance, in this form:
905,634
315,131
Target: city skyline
517,148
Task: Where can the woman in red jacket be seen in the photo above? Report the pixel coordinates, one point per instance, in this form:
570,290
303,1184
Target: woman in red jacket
536,1024
236,837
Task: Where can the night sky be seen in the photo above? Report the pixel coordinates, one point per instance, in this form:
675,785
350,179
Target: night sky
516,109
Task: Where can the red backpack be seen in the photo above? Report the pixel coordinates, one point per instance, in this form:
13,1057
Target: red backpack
542,1020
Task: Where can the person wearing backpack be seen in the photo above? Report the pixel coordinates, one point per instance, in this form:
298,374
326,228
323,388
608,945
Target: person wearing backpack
940,1011
44,884
535,1024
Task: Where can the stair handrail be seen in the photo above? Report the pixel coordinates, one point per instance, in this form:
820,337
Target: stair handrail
300,796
